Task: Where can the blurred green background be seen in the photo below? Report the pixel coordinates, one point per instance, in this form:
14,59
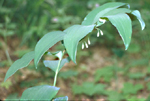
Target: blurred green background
104,70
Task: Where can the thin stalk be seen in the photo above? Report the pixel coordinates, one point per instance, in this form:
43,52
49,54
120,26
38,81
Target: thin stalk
55,79
5,45
8,56
6,52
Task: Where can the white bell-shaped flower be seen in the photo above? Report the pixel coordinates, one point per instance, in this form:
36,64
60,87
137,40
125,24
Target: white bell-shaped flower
89,41
86,45
101,32
98,33
82,45
102,20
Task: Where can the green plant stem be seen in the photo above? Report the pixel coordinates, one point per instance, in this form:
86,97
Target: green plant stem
5,45
55,79
8,56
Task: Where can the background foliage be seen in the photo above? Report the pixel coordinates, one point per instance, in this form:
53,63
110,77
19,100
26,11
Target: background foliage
105,70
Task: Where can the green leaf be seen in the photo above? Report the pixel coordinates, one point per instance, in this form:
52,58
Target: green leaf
117,11
123,24
111,12
129,88
44,92
105,72
114,96
46,42
135,98
89,19
61,98
53,64
20,63
139,62
88,88
138,15
74,35
91,88
136,75
77,89
68,74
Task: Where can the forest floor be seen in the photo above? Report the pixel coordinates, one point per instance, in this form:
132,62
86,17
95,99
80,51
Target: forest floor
89,61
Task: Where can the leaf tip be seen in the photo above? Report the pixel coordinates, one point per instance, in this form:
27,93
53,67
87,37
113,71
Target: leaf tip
143,27
5,79
56,88
126,47
74,61
35,65
128,6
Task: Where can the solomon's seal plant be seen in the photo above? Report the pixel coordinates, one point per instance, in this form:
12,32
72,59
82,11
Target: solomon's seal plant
119,14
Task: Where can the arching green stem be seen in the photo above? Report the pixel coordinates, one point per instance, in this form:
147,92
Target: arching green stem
57,70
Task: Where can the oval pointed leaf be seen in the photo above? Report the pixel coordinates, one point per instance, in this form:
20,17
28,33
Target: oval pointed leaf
20,63
44,92
61,98
123,24
53,64
89,19
117,11
138,15
111,12
74,35
46,42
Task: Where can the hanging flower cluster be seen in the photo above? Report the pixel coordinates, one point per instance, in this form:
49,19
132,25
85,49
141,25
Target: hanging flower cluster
85,44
